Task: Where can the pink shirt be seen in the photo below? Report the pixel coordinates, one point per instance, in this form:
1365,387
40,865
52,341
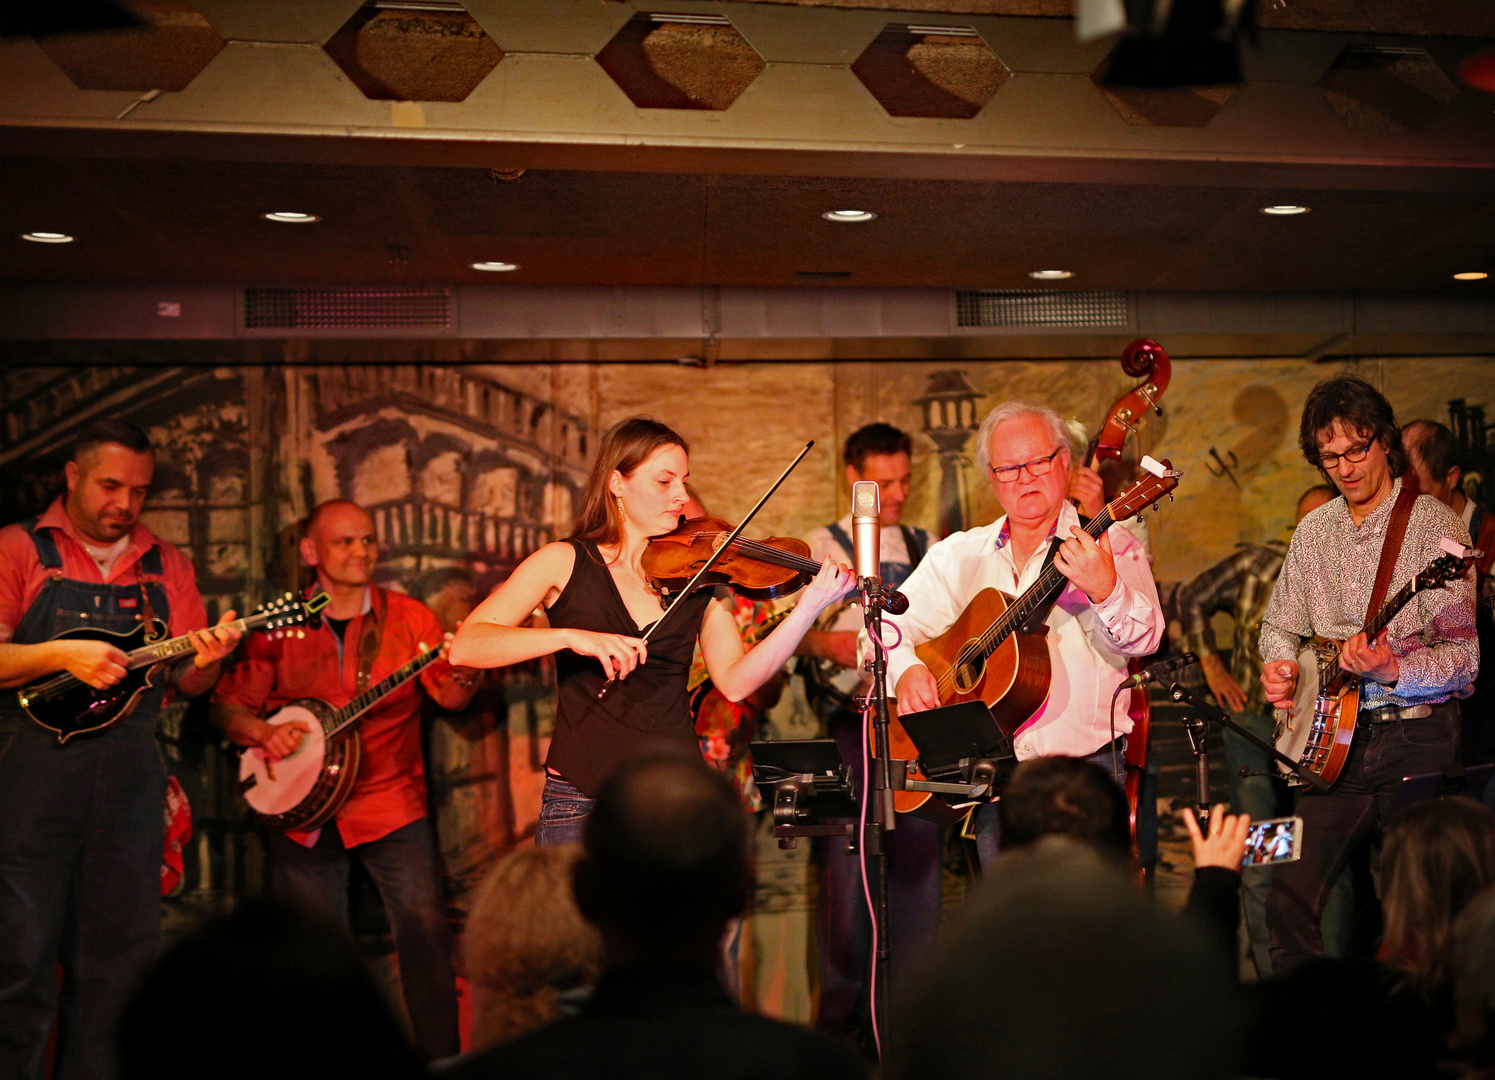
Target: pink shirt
22,575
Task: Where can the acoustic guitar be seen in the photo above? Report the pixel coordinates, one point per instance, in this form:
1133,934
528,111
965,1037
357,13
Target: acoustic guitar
68,706
994,651
1317,731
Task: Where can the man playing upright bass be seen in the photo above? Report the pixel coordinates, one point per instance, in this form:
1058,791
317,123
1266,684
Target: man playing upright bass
1107,612
1408,721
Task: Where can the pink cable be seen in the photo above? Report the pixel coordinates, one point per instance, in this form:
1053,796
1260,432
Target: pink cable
862,840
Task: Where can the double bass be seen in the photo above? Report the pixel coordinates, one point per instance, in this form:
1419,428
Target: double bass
1143,359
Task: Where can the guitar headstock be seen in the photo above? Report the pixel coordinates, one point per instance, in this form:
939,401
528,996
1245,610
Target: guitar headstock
1158,478
1453,564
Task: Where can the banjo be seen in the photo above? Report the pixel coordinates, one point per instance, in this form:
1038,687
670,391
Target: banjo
306,788
1316,732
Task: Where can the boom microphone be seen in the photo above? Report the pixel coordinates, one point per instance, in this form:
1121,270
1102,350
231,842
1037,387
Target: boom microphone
1161,668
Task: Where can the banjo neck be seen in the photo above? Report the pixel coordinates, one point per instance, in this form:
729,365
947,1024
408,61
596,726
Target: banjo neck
351,712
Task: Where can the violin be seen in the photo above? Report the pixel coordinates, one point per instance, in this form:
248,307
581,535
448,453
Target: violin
1143,359
758,569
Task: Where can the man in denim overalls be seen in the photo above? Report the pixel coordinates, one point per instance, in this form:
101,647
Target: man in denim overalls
81,824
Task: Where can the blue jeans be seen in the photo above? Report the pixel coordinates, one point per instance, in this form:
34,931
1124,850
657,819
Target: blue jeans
406,867
563,814
987,825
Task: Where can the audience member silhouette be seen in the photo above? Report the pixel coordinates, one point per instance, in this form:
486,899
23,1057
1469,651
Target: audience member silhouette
527,952
268,991
1058,969
1391,1018
1473,958
666,864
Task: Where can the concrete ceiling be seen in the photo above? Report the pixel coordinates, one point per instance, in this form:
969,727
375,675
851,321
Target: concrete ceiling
1353,110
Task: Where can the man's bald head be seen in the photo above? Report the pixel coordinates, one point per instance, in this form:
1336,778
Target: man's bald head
340,543
667,859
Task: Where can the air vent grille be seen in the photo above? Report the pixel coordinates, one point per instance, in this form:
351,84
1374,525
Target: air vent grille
362,308
1035,307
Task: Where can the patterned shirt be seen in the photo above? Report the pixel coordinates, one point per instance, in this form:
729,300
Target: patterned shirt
1325,585
1241,585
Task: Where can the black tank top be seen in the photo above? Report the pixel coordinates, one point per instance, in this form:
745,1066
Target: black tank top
648,708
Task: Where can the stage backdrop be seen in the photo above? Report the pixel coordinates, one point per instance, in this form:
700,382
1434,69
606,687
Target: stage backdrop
468,466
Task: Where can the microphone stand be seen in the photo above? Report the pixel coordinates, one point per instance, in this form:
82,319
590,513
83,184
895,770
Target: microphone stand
1196,725
884,819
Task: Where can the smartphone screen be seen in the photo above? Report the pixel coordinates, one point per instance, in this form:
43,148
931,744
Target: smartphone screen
1273,840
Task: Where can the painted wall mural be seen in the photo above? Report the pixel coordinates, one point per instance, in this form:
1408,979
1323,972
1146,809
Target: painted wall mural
468,466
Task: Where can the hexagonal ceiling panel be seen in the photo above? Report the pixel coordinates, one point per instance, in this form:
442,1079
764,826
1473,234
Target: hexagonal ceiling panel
941,72
680,61
167,53
430,53
1378,88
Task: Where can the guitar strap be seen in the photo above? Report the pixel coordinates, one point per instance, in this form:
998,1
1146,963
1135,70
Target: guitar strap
368,641
1396,528
1046,604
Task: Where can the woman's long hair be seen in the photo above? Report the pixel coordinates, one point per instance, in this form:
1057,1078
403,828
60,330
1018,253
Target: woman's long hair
624,448
1438,856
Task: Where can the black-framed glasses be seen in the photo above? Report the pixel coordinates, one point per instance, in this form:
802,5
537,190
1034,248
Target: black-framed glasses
1354,455
1007,474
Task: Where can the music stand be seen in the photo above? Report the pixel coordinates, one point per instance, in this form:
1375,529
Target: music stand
809,788
962,751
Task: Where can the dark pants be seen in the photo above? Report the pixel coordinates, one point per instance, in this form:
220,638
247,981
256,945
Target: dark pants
406,867
843,923
1334,824
81,832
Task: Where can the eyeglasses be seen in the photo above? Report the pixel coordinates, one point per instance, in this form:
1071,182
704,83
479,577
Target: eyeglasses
1007,474
1354,455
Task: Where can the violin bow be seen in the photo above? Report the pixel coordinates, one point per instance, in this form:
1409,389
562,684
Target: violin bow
711,560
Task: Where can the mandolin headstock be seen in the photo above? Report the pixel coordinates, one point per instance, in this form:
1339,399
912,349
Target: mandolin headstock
1453,564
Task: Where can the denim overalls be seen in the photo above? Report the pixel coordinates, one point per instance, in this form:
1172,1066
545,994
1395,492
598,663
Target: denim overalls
81,832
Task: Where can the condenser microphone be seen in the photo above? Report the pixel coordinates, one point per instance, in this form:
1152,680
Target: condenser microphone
866,505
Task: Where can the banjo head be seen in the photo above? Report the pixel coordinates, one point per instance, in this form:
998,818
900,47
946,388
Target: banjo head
1296,726
278,787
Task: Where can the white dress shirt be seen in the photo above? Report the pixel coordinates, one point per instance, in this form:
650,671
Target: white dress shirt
1088,643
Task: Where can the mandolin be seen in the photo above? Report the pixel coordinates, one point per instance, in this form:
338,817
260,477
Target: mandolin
68,706
990,655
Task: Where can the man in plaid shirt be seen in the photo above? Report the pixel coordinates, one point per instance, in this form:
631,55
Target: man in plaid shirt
1241,585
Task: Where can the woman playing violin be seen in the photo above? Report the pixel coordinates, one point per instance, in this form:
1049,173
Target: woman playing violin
598,602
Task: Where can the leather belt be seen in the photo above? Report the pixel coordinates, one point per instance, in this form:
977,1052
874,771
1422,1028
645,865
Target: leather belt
1389,714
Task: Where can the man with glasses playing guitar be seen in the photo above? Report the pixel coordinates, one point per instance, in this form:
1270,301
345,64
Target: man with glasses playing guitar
1331,586
1107,611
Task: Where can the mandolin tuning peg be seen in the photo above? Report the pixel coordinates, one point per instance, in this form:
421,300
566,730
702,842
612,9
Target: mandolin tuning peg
1141,518
300,633
1170,496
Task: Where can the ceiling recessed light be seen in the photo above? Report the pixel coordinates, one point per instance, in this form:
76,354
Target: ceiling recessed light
848,215
497,267
290,217
1284,210
1471,275
47,237
1050,275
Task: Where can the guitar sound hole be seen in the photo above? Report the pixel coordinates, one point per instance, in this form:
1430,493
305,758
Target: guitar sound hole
966,677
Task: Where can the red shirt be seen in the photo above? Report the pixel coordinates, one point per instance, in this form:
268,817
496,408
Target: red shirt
22,576
271,672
